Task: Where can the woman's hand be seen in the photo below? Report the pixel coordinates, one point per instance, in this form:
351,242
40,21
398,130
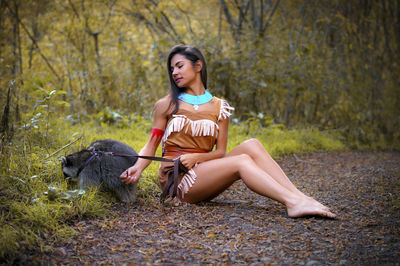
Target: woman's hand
189,160
131,175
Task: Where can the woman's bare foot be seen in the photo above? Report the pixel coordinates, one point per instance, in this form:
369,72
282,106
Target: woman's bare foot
301,194
319,204
309,207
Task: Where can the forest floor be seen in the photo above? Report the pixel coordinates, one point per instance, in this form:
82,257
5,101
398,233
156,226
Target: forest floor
240,227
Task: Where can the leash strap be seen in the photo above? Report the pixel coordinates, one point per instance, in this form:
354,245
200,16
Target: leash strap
94,154
172,185
153,158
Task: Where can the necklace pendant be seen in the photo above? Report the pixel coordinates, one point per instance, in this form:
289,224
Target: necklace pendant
195,107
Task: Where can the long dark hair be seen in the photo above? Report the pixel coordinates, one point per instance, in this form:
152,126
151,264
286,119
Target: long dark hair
193,54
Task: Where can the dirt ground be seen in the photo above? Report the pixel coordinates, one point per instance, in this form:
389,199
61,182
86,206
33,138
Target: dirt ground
241,227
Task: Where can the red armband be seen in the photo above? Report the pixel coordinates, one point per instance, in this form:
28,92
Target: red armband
158,133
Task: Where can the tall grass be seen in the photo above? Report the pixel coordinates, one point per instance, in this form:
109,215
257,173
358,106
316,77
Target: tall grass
36,203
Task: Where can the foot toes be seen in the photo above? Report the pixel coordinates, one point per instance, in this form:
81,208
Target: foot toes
329,214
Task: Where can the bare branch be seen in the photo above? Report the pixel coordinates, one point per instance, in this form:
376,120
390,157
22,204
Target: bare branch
264,28
35,43
242,13
227,13
187,18
91,32
74,9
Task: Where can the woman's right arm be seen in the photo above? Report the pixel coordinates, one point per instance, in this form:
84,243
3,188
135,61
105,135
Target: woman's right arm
132,174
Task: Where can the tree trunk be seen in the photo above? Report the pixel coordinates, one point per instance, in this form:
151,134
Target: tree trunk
17,62
5,119
289,105
98,59
84,73
35,36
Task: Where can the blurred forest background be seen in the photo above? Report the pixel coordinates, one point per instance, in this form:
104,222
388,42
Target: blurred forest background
330,65
303,75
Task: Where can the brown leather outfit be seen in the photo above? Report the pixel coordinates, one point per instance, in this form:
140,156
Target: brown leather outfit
191,131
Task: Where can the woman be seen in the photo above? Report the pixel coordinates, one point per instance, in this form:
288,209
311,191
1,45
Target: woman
190,122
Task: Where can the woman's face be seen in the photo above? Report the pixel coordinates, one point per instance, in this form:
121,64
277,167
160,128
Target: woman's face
183,72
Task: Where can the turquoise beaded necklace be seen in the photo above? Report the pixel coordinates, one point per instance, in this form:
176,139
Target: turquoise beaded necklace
195,100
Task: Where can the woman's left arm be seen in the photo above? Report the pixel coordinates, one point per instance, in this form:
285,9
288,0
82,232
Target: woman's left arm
191,159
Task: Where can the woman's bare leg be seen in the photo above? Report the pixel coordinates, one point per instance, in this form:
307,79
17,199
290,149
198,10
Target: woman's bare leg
261,157
215,176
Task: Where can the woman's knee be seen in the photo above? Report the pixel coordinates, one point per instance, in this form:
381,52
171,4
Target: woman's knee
252,142
244,160
253,145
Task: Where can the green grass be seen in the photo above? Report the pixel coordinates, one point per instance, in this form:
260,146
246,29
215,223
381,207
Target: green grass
280,141
36,203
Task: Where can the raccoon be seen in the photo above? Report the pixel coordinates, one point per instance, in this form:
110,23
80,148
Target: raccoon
95,166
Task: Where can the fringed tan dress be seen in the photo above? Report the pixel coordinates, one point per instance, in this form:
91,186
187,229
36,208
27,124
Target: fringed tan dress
191,130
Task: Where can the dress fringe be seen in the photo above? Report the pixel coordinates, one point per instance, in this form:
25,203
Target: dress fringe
187,182
225,111
175,125
203,127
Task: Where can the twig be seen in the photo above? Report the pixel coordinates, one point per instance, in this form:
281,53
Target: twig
65,146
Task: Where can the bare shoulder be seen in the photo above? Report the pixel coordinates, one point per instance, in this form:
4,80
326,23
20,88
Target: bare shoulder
163,106
164,100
